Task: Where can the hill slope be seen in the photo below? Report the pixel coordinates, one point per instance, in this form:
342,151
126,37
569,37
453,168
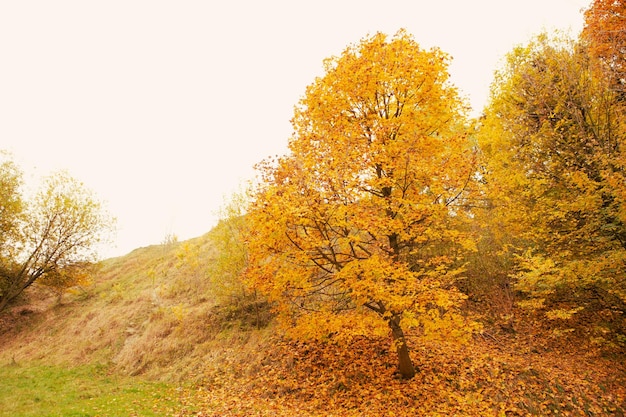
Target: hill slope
153,314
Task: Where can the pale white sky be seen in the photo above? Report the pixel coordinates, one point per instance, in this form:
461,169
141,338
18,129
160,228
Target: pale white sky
163,107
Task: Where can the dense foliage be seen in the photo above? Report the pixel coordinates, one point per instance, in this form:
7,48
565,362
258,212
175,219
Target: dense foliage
552,137
359,228
375,216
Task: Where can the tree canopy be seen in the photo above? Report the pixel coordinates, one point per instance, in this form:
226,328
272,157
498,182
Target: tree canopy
552,139
605,35
50,238
358,228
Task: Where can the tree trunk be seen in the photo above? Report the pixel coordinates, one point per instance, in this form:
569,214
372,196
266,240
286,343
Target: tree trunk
4,301
12,292
405,366
16,287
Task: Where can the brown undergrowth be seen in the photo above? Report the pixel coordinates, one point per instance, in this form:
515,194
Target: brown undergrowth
490,376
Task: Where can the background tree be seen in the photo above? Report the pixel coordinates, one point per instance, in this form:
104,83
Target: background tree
553,172
356,230
232,257
605,34
11,204
226,270
51,236
11,214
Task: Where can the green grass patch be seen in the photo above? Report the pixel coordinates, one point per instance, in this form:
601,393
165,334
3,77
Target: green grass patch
40,390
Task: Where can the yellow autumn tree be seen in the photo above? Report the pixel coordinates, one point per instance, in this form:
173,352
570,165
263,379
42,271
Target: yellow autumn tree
226,269
50,239
357,231
605,35
551,140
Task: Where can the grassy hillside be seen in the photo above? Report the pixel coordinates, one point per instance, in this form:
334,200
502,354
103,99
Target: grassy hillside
44,390
151,312
148,337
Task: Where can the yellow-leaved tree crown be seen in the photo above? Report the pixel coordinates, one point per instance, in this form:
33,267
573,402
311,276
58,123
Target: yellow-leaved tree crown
359,229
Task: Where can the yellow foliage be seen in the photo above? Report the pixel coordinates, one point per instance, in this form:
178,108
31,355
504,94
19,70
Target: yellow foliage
364,218
562,314
552,140
64,278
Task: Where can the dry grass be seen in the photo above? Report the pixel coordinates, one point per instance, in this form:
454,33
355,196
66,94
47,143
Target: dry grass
148,313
